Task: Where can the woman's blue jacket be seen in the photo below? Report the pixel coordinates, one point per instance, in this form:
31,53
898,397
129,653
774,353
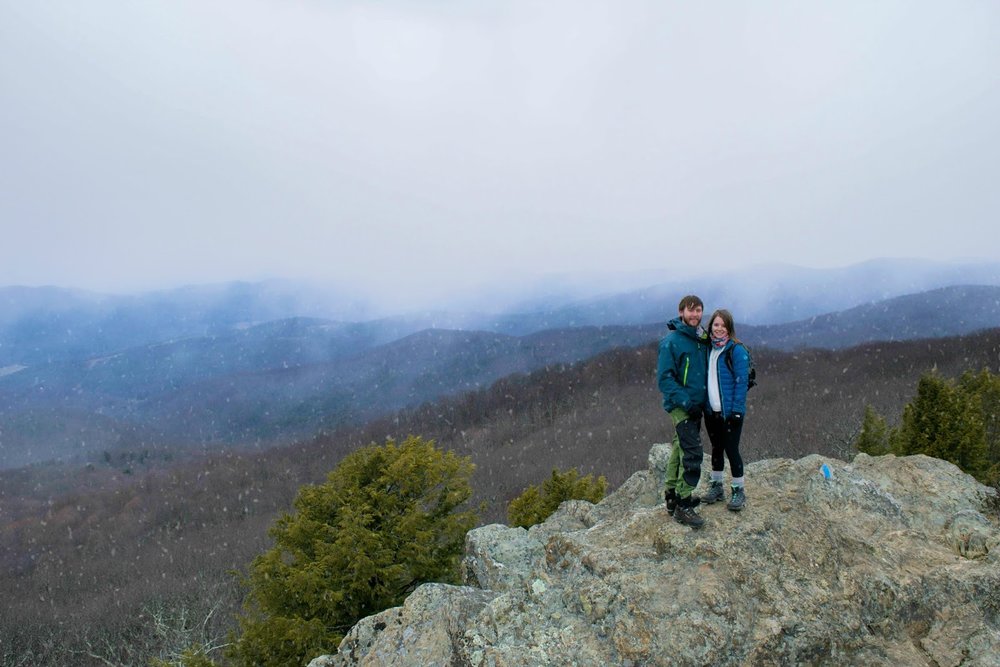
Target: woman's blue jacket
733,383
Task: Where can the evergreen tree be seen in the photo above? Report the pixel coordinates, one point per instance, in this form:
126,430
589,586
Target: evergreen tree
945,422
527,509
874,436
385,521
538,502
985,387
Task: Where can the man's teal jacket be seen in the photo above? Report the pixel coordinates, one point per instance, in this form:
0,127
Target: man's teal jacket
682,367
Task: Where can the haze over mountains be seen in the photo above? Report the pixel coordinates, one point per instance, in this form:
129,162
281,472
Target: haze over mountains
251,364
50,324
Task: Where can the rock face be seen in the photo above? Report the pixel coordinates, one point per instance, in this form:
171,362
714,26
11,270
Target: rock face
888,561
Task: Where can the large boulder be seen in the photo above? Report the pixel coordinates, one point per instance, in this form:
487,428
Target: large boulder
886,561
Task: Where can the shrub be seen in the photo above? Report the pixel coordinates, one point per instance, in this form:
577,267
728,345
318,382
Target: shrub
538,502
874,436
385,521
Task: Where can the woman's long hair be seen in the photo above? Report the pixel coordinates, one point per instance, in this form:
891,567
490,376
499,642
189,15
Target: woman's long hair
727,321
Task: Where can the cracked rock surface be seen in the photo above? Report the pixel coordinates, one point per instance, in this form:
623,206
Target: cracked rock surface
889,561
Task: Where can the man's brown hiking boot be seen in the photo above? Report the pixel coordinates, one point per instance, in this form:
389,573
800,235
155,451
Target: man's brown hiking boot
685,513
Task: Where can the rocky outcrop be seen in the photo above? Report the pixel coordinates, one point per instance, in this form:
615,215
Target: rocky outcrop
888,561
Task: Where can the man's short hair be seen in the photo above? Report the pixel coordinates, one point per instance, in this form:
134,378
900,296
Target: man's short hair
691,302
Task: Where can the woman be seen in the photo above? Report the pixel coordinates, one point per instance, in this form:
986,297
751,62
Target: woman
728,368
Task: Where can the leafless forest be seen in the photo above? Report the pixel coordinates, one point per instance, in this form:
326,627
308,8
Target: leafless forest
136,556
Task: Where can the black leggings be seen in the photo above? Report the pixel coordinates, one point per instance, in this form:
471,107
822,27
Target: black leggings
725,439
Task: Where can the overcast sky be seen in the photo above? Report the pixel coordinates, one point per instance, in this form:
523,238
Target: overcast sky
420,146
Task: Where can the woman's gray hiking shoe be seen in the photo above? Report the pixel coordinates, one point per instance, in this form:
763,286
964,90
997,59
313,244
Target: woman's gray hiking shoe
685,513
738,500
716,492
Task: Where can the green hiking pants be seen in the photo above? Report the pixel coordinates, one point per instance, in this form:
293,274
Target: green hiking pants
684,465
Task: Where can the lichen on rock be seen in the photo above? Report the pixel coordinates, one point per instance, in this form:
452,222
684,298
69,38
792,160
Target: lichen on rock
888,561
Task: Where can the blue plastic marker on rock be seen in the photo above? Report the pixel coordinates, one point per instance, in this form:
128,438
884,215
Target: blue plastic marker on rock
825,469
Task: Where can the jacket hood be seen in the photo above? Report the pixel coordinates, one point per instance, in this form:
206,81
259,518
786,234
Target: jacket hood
678,324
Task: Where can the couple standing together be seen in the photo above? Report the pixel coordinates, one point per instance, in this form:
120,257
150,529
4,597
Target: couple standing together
703,373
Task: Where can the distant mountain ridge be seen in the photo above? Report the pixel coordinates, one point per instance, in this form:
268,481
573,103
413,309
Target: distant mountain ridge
946,311
771,295
284,380
69,385
46,324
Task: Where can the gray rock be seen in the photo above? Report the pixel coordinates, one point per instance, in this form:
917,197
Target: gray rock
418,633
888,561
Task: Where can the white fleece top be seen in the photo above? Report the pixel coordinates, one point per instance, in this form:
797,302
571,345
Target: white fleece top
714,399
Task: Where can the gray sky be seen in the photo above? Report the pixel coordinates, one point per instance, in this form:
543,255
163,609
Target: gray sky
424,146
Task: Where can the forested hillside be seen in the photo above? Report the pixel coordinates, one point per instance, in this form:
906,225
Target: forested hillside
268,385
91,556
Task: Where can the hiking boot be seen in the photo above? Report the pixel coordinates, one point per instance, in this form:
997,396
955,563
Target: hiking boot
671,497
716,492
738,500
685,513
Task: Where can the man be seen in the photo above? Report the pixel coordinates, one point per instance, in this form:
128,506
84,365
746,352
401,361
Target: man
682,374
